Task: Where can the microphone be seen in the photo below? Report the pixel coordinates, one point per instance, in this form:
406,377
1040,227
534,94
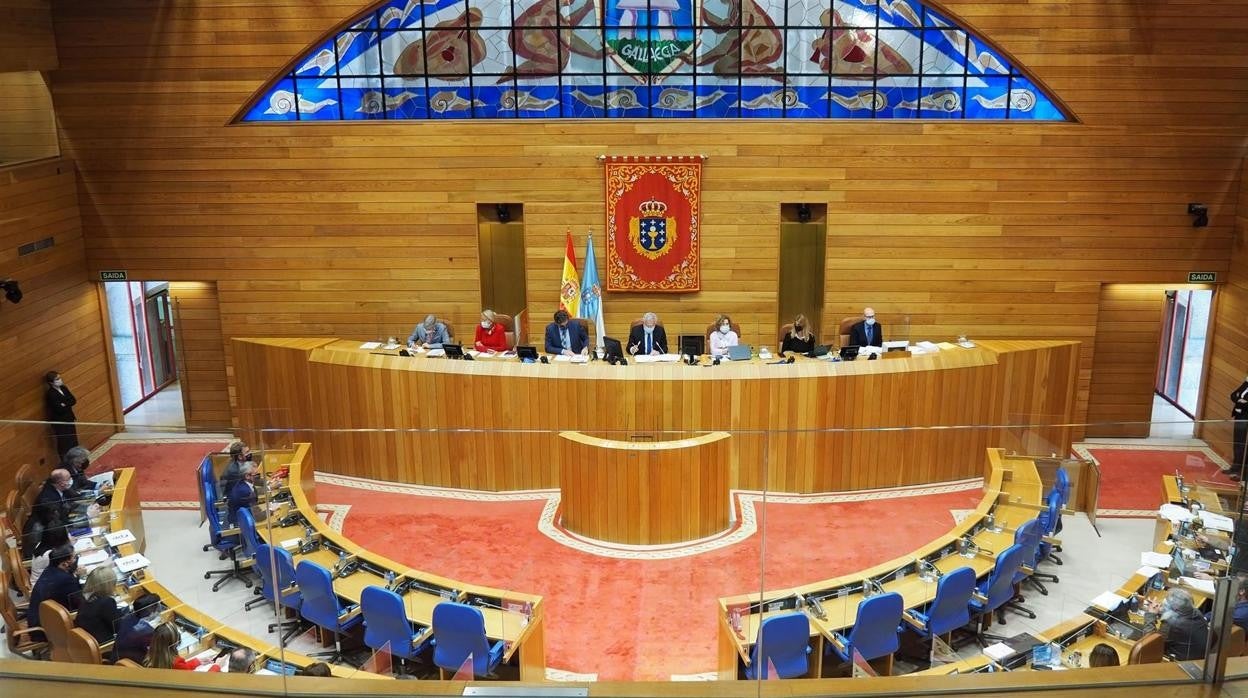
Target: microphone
715,362
544,359
468,357
926,568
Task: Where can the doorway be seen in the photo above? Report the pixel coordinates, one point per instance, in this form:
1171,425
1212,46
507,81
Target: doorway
803,235
1181,358
500,246
141,323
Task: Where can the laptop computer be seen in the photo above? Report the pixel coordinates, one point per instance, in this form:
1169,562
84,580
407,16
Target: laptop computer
820,350
740,352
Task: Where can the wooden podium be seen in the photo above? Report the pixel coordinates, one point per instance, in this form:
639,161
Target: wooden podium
644,492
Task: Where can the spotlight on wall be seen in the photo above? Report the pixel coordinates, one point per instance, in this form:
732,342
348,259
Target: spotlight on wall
1200,215
12,291
504,213
803,213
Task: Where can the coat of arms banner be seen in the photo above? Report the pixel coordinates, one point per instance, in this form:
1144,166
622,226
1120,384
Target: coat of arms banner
654,214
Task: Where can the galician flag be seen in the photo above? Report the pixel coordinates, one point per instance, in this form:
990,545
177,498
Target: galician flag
570,287
591,292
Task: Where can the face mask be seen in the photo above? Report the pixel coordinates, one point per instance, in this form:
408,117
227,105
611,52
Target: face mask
58,382
73,567
725,328
797,328
485,324
870,321
247,457
649,330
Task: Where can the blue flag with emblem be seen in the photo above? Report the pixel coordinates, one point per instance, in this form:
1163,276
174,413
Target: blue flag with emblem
591,292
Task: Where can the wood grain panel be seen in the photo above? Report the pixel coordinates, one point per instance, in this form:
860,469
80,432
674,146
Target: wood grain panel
26,40
810,427
358,230
649,492
58,324
1128,332
201,356
1228,353
27,124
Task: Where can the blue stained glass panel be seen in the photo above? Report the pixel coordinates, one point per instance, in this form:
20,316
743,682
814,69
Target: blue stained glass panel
583,59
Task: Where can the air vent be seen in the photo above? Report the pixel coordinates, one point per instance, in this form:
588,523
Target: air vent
33,247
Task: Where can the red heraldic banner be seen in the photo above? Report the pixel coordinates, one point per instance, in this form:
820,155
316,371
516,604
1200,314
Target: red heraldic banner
654,212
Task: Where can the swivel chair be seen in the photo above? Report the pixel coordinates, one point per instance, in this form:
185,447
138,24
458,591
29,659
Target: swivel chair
783,643
322,608
459,633
386,625
876,630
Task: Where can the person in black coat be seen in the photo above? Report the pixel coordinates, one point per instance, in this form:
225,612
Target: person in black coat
60,407
1186,630
867,333
57,502
57,584
99,614
1239,412
648,338
134,632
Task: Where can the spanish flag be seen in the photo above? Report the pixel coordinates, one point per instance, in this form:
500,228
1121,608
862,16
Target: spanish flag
570,287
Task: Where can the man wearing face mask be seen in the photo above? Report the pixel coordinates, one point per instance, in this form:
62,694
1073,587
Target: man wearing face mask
430,334
867,333
490,335
134,632
58,504
60,404
240,454
1239,412
57,583
649,338
566,338
1185,628
723,337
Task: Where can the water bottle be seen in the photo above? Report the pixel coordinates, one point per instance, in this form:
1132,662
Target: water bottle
342,561
992,521
390,580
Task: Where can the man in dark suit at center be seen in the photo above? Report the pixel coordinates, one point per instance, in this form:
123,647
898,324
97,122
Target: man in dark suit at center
648,338
566,338
58,504
58,583
867,333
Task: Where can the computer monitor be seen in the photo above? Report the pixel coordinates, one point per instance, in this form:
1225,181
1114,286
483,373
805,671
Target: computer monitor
453,351
527,354
849,353
692,344
611,347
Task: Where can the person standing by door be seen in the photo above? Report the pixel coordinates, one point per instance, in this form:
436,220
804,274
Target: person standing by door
60,403
1239,412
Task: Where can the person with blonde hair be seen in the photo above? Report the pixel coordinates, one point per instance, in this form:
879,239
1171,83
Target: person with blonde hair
800,339
163,653
99,614
490,335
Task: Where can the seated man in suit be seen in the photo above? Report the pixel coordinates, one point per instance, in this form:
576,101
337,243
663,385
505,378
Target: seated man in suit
867,333
242,660
430,334
134,632
566,338
1186,630
58,583
243,496
58,504
240,455
648,338
77,460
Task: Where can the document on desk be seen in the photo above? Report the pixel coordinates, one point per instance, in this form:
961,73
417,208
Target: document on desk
94,558
120,537
1217,521
435,353
102,479
371,345
130,563
1174,513
82,545
1204,586
1155,559
1149,571
1108,600
998,651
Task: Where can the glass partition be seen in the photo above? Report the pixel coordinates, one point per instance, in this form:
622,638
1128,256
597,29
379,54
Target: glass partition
636,554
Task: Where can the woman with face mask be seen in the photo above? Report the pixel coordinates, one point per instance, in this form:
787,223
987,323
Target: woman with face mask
490,335
723,337
60,403
799,340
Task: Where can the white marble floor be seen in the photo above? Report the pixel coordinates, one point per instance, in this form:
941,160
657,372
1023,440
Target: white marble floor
161,413
1169,422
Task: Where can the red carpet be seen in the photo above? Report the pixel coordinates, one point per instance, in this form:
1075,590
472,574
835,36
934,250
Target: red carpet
635,619
1131,477
165,471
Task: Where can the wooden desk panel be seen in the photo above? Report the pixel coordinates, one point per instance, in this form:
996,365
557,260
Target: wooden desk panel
491,424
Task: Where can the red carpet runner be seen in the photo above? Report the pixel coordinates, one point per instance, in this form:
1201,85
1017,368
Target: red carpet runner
1131,476
165,470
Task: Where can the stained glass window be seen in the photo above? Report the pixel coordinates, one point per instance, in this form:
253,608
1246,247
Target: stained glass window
590,59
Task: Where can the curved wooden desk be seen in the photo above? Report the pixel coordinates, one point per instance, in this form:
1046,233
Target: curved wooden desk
644,492
513,617
812,426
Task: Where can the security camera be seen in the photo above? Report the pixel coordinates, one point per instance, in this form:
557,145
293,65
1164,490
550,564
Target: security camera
12,291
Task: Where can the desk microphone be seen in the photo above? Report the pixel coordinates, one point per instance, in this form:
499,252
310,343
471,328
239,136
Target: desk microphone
927,568
783,361
691,359
715,362
468,357
544,359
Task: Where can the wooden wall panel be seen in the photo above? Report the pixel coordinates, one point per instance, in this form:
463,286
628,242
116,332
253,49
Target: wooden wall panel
58,324
26,41
1228,360
201,362
358,230
27,124
1128,332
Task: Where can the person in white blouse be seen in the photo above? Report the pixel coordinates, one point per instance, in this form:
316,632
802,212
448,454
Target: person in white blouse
723,337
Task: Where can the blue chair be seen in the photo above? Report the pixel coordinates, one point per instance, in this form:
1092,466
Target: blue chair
459,631
784,641
1050,524
322,608
277,586
996,591
950,609
220,537
876,632
249,543
386,624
